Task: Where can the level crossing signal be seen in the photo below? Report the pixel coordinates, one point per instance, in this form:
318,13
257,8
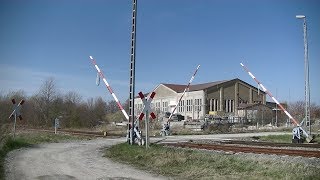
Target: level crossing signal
147,107
15,113
16,109
145,112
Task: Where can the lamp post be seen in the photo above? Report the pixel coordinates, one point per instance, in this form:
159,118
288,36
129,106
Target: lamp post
306,69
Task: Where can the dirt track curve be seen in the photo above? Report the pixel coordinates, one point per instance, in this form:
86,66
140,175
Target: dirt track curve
72,160
83,159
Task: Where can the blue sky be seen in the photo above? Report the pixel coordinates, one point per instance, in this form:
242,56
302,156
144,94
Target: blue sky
46,38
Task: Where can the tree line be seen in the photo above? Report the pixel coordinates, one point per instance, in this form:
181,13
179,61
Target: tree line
48,103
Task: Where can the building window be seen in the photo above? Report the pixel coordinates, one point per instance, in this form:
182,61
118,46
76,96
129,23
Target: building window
165,106
198,104
181,106
229,104
157,107
138,108
189,105
214,105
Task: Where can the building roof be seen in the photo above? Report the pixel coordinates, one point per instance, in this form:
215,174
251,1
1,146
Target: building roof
179,88
196,87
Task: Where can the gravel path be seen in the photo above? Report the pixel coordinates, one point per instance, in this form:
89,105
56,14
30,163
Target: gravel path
83,159
73,160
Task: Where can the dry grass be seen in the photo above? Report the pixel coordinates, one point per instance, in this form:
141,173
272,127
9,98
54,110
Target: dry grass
188,164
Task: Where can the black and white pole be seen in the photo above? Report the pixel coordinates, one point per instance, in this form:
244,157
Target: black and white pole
145,112
132,71
15,113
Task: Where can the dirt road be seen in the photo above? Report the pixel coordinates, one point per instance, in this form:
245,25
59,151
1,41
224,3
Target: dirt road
83,159
72,160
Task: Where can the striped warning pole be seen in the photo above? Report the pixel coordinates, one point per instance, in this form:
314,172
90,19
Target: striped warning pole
109,88
194,74
269,93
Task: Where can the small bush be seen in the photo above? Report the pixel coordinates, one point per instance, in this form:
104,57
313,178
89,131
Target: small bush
218,128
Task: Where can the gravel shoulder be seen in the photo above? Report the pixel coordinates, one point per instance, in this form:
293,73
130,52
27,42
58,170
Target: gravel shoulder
73,160
84,159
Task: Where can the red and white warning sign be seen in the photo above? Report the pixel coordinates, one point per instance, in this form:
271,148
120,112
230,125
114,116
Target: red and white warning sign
16,109
147,107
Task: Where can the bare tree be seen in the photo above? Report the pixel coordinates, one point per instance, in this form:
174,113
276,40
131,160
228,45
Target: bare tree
45,98
72,97
90,103
314,111
112,107
296,109
100,108
71,112
48,91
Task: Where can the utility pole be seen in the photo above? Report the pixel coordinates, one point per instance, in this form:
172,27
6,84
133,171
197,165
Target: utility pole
276,109
306,71
132,71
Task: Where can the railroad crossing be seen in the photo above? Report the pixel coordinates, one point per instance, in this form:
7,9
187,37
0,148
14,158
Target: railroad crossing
16,113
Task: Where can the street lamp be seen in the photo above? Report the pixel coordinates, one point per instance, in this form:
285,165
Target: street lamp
306,69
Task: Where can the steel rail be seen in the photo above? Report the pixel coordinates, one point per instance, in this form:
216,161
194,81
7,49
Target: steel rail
247,149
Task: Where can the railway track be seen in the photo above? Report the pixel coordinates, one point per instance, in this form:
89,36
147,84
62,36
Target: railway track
77,132
270,144
248,149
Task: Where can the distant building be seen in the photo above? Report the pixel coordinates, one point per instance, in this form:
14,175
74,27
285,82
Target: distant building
223,98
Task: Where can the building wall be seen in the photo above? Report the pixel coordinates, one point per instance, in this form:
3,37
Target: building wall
250,97
223,99
160,103
191,105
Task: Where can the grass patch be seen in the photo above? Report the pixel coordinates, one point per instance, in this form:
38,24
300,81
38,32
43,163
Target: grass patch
189,164
29,139
285,138
43,137
9,145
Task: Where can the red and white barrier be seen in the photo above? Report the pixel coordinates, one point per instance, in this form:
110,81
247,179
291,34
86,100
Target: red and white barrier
190,81
109,88
269,93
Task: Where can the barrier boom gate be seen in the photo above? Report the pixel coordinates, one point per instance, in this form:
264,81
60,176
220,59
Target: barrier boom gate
190,81
135,129
277,102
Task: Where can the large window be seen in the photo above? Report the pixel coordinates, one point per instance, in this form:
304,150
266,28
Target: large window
198,104
229,105
214,105
181,106
157,107
165,106
189,105
138,108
